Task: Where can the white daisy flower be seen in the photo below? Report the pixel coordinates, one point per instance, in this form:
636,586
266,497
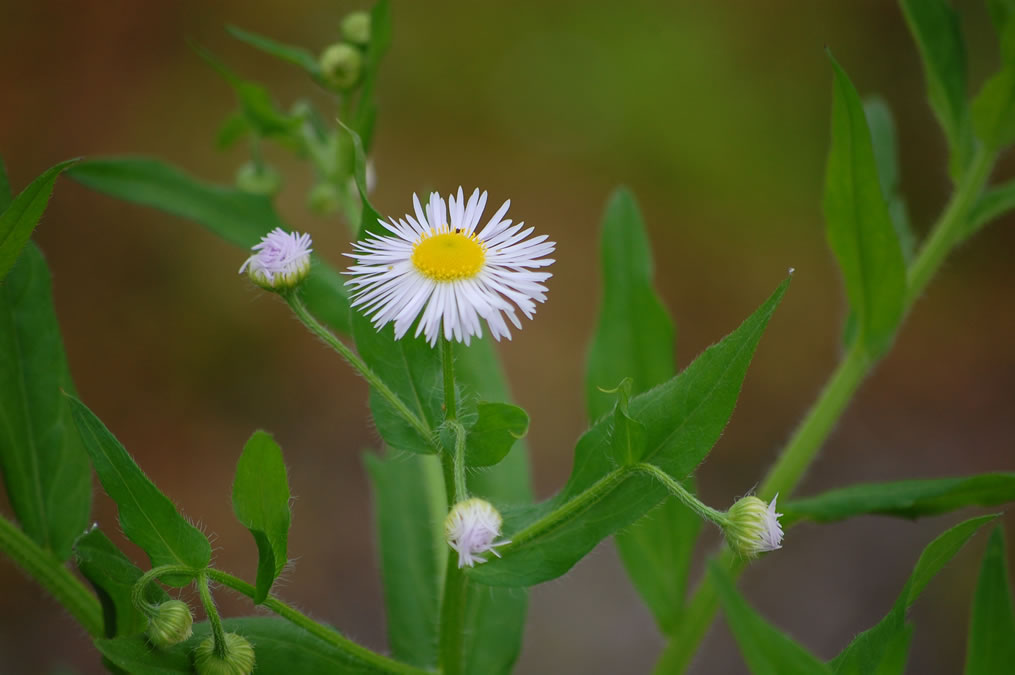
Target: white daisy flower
471,528
753,527
281,260
437,267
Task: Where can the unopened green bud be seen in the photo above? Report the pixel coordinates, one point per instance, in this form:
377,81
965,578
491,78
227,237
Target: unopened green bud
323,198
238,658
341,64
259,180
753,527
171,624
356,28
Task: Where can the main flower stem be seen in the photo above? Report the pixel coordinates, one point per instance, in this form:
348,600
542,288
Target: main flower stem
374,380
52,575
352,650
803,447
451,647
217,631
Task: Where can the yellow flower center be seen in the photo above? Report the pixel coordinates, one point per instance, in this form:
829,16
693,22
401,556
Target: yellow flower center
447,255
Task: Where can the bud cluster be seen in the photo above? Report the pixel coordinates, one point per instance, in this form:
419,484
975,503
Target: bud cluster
342,63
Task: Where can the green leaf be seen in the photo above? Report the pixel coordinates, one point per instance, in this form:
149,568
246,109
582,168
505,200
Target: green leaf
994,109
279,646
380,39
294,55
886,156
994,203
766,649
1001,14
148,518
497,428
19,219
45,469
904,499
256,103
114,577
634,337
238,217
6,196
261,504
232,130
876,649
627,436
935,27
409,512
683,419
991,647
858,225
656,552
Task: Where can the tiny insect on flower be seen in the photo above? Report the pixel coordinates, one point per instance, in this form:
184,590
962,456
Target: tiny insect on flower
438,268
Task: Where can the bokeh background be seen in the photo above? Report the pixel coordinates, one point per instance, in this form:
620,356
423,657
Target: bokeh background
716,114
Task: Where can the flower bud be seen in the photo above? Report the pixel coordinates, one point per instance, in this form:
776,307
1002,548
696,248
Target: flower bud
470,528
356,28
171,624
238,659
753,527
258,180
323,198
281,261
341,64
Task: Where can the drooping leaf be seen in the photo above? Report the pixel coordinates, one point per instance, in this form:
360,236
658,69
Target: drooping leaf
858,225
294,55
45,469
113,576
683,419
938,35
886,157
871,650
656,551
409,512
994,203
238,217
6,196
766,649
279,647
261,504
148,518
904,499
498,427
18,220
991,643
994,109
634,337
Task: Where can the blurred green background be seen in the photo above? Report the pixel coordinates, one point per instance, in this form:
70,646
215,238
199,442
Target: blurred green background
716,114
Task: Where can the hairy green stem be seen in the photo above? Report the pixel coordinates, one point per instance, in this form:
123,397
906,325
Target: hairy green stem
803,447
217,631
137,592
352,650
353,359
452,619
684,495
52,575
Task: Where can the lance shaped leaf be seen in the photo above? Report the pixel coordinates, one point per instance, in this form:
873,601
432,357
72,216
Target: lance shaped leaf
993,204
877,648
19,218
147,516
113,576
294,55
935,27
994,109
903,499
858,225
766,649
683,419
627,436
261,504
991,644
886,156
45,469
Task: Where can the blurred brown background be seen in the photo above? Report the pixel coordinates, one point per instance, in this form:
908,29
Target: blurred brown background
716,114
